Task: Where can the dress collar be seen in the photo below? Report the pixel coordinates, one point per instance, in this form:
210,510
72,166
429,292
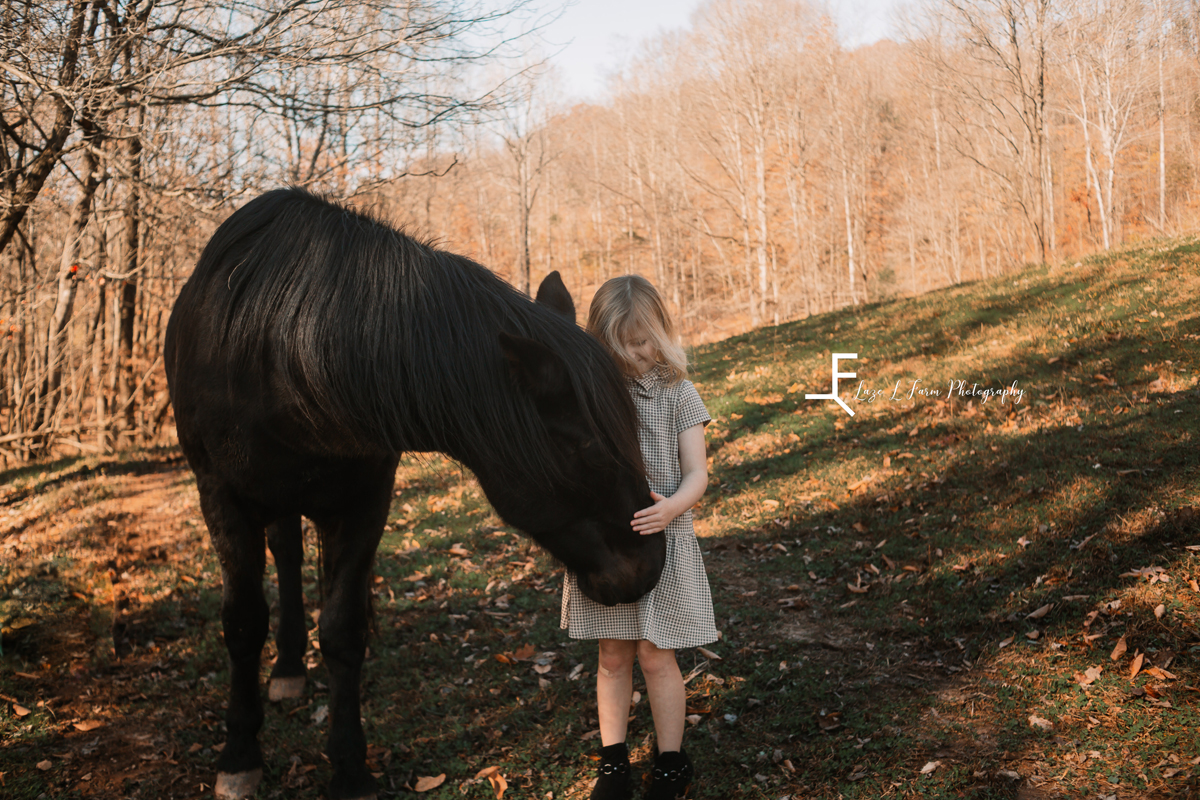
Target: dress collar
647,383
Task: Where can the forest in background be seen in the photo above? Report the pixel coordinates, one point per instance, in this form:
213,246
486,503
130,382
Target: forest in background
753,167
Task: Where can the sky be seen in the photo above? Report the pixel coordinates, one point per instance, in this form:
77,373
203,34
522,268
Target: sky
592,37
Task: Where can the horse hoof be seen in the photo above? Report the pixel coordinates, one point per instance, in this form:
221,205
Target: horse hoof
285,689
237,786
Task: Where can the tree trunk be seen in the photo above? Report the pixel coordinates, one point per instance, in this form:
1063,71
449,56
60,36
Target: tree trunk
68,268
30,185
128,294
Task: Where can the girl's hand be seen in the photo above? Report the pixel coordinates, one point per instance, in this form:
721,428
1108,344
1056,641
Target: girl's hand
656,517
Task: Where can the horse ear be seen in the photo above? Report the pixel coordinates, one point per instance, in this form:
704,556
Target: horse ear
554,295
538,370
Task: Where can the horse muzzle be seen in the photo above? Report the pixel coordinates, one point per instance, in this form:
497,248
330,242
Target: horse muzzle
626,578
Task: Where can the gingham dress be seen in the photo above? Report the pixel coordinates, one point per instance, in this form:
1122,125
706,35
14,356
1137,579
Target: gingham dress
678,612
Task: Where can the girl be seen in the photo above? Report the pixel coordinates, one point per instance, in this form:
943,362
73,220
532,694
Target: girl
629,317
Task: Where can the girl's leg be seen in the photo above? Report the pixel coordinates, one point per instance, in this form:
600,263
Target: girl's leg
614,688
668,700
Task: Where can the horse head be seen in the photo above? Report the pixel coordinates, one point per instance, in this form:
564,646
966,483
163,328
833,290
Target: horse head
595,479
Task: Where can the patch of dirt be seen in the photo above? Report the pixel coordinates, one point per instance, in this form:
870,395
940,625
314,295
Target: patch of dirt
112,697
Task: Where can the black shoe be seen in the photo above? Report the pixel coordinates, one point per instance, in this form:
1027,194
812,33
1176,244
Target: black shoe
671,777
614,782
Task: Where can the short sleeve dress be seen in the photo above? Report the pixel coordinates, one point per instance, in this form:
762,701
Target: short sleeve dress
678,612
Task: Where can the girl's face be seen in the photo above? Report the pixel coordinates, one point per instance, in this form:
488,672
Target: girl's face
640,351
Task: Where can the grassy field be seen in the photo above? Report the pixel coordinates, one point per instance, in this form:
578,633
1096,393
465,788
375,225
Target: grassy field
945,595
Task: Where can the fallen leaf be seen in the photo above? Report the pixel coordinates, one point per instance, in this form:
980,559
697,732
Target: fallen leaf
1041,612
1160,673
20,710
1173,771
541,669
857,589
457,549
524,652
425,782
44,765
499,784
1136,666
930,767
1089,677
88,725
693,719
1119,650
1159,610
1024,542
592,734
829,722
1082,543
1006,642
709,654
1040,722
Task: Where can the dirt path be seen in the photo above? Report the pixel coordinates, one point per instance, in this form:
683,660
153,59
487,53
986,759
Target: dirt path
82,546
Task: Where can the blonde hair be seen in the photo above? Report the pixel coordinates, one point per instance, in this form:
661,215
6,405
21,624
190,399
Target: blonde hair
628,304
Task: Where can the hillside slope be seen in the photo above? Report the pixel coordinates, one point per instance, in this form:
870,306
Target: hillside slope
945,595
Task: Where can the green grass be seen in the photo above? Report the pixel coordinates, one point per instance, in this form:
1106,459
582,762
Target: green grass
873,579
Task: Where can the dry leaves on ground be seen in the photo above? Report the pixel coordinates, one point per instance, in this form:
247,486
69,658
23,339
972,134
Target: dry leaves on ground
1119,650
1089,677
499,784
1041,612
425,782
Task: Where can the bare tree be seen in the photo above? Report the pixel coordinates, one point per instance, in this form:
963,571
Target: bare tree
1106,65
992,56
521,126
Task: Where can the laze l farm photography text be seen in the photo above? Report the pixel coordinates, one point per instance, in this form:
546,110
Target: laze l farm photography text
917,389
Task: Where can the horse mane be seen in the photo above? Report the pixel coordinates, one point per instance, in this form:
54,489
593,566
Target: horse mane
393,341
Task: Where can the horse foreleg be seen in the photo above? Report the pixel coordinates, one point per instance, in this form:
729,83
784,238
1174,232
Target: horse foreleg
350,544
244,618
286,541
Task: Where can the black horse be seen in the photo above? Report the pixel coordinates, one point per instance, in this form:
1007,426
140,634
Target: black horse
310,348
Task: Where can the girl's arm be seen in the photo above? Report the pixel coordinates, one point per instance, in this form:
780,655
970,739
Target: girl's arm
693,463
